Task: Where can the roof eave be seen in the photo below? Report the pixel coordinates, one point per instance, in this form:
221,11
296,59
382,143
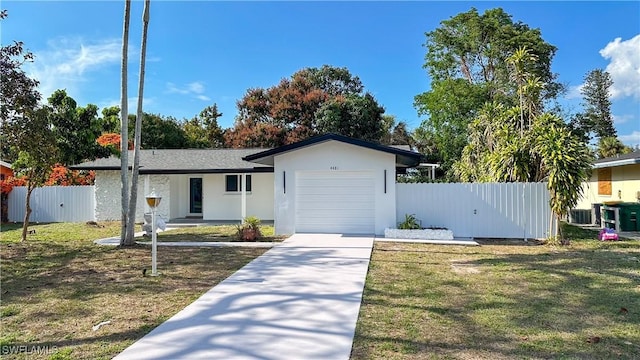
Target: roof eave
615,163
403,157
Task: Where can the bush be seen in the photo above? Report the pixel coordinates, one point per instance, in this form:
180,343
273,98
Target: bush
410,223
249,229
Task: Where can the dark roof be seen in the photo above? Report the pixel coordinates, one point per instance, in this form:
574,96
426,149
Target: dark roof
404,158
183,161
619,160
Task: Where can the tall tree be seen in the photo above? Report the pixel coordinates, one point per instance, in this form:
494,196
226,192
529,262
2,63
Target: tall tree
612,146
466,60
160,132
37,154
124,125
566,161
133,197
26,129
76,129
203,131
353,116
290,111
597,103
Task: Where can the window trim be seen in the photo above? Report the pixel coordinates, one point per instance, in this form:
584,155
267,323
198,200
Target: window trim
238,184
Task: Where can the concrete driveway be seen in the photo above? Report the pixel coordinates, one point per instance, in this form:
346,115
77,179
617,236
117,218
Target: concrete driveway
300,300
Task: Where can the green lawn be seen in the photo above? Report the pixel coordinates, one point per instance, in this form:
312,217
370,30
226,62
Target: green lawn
500,301
212,233
57,285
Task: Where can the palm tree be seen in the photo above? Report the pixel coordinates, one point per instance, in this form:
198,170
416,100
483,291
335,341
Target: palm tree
137,137
566,161
124,131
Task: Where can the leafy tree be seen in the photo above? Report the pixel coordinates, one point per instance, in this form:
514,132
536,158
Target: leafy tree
19,94
38,153
567,162
160,132
76,129
203,130
290,111
466,60
611,146
25,124
596,118
133,195
110,120
354,116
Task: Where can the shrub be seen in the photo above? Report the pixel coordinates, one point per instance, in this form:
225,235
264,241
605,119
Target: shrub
410,223
249,229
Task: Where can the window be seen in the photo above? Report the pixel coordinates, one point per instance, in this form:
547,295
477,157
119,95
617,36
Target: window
233,183
604,181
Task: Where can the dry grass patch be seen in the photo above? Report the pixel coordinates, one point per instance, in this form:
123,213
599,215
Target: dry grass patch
55,291
500,301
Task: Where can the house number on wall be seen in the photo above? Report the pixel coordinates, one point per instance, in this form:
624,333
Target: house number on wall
334,168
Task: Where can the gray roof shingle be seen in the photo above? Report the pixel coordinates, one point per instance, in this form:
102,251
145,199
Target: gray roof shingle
183,161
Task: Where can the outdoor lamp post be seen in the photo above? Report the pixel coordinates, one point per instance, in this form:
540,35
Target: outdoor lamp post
153,200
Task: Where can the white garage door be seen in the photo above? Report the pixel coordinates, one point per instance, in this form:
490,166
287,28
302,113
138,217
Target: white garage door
335,202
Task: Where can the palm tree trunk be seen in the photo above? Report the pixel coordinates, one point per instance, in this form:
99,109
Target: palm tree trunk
124,124
139,114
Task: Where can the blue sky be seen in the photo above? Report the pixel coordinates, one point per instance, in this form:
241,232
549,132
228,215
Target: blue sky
205,52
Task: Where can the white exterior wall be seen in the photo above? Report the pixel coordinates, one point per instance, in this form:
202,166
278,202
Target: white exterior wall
217,204
107,192
334,156
625,181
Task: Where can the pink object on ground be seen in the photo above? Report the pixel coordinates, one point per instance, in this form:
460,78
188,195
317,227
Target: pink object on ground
608,235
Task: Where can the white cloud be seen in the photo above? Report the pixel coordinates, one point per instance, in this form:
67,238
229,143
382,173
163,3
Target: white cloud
67,61
632,139
575,92
621,119
624,66
195,89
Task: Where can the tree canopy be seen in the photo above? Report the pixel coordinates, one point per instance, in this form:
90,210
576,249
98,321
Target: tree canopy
312,102
466,60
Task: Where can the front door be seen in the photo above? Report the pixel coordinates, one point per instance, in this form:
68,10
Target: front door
195,196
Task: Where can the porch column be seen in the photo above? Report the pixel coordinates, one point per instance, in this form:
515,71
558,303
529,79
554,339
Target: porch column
243,186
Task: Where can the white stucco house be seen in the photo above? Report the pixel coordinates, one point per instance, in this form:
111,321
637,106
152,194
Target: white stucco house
325,184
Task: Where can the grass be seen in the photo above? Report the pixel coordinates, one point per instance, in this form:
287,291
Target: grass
213,233
57,285
501,301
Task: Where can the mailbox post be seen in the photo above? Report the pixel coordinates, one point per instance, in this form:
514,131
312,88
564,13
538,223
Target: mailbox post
153,200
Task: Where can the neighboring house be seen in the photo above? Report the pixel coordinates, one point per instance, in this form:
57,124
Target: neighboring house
328,183
5,170
614,179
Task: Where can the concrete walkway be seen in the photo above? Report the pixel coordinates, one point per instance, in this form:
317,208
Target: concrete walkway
300,300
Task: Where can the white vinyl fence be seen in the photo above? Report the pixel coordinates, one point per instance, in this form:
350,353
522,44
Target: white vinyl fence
504,210
54,204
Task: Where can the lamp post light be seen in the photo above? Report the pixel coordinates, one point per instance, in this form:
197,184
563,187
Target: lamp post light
153,200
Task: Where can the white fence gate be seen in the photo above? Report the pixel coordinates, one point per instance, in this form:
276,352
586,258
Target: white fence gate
53,204
495,210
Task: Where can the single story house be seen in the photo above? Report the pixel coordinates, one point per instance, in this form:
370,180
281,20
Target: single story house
327,184
613,179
